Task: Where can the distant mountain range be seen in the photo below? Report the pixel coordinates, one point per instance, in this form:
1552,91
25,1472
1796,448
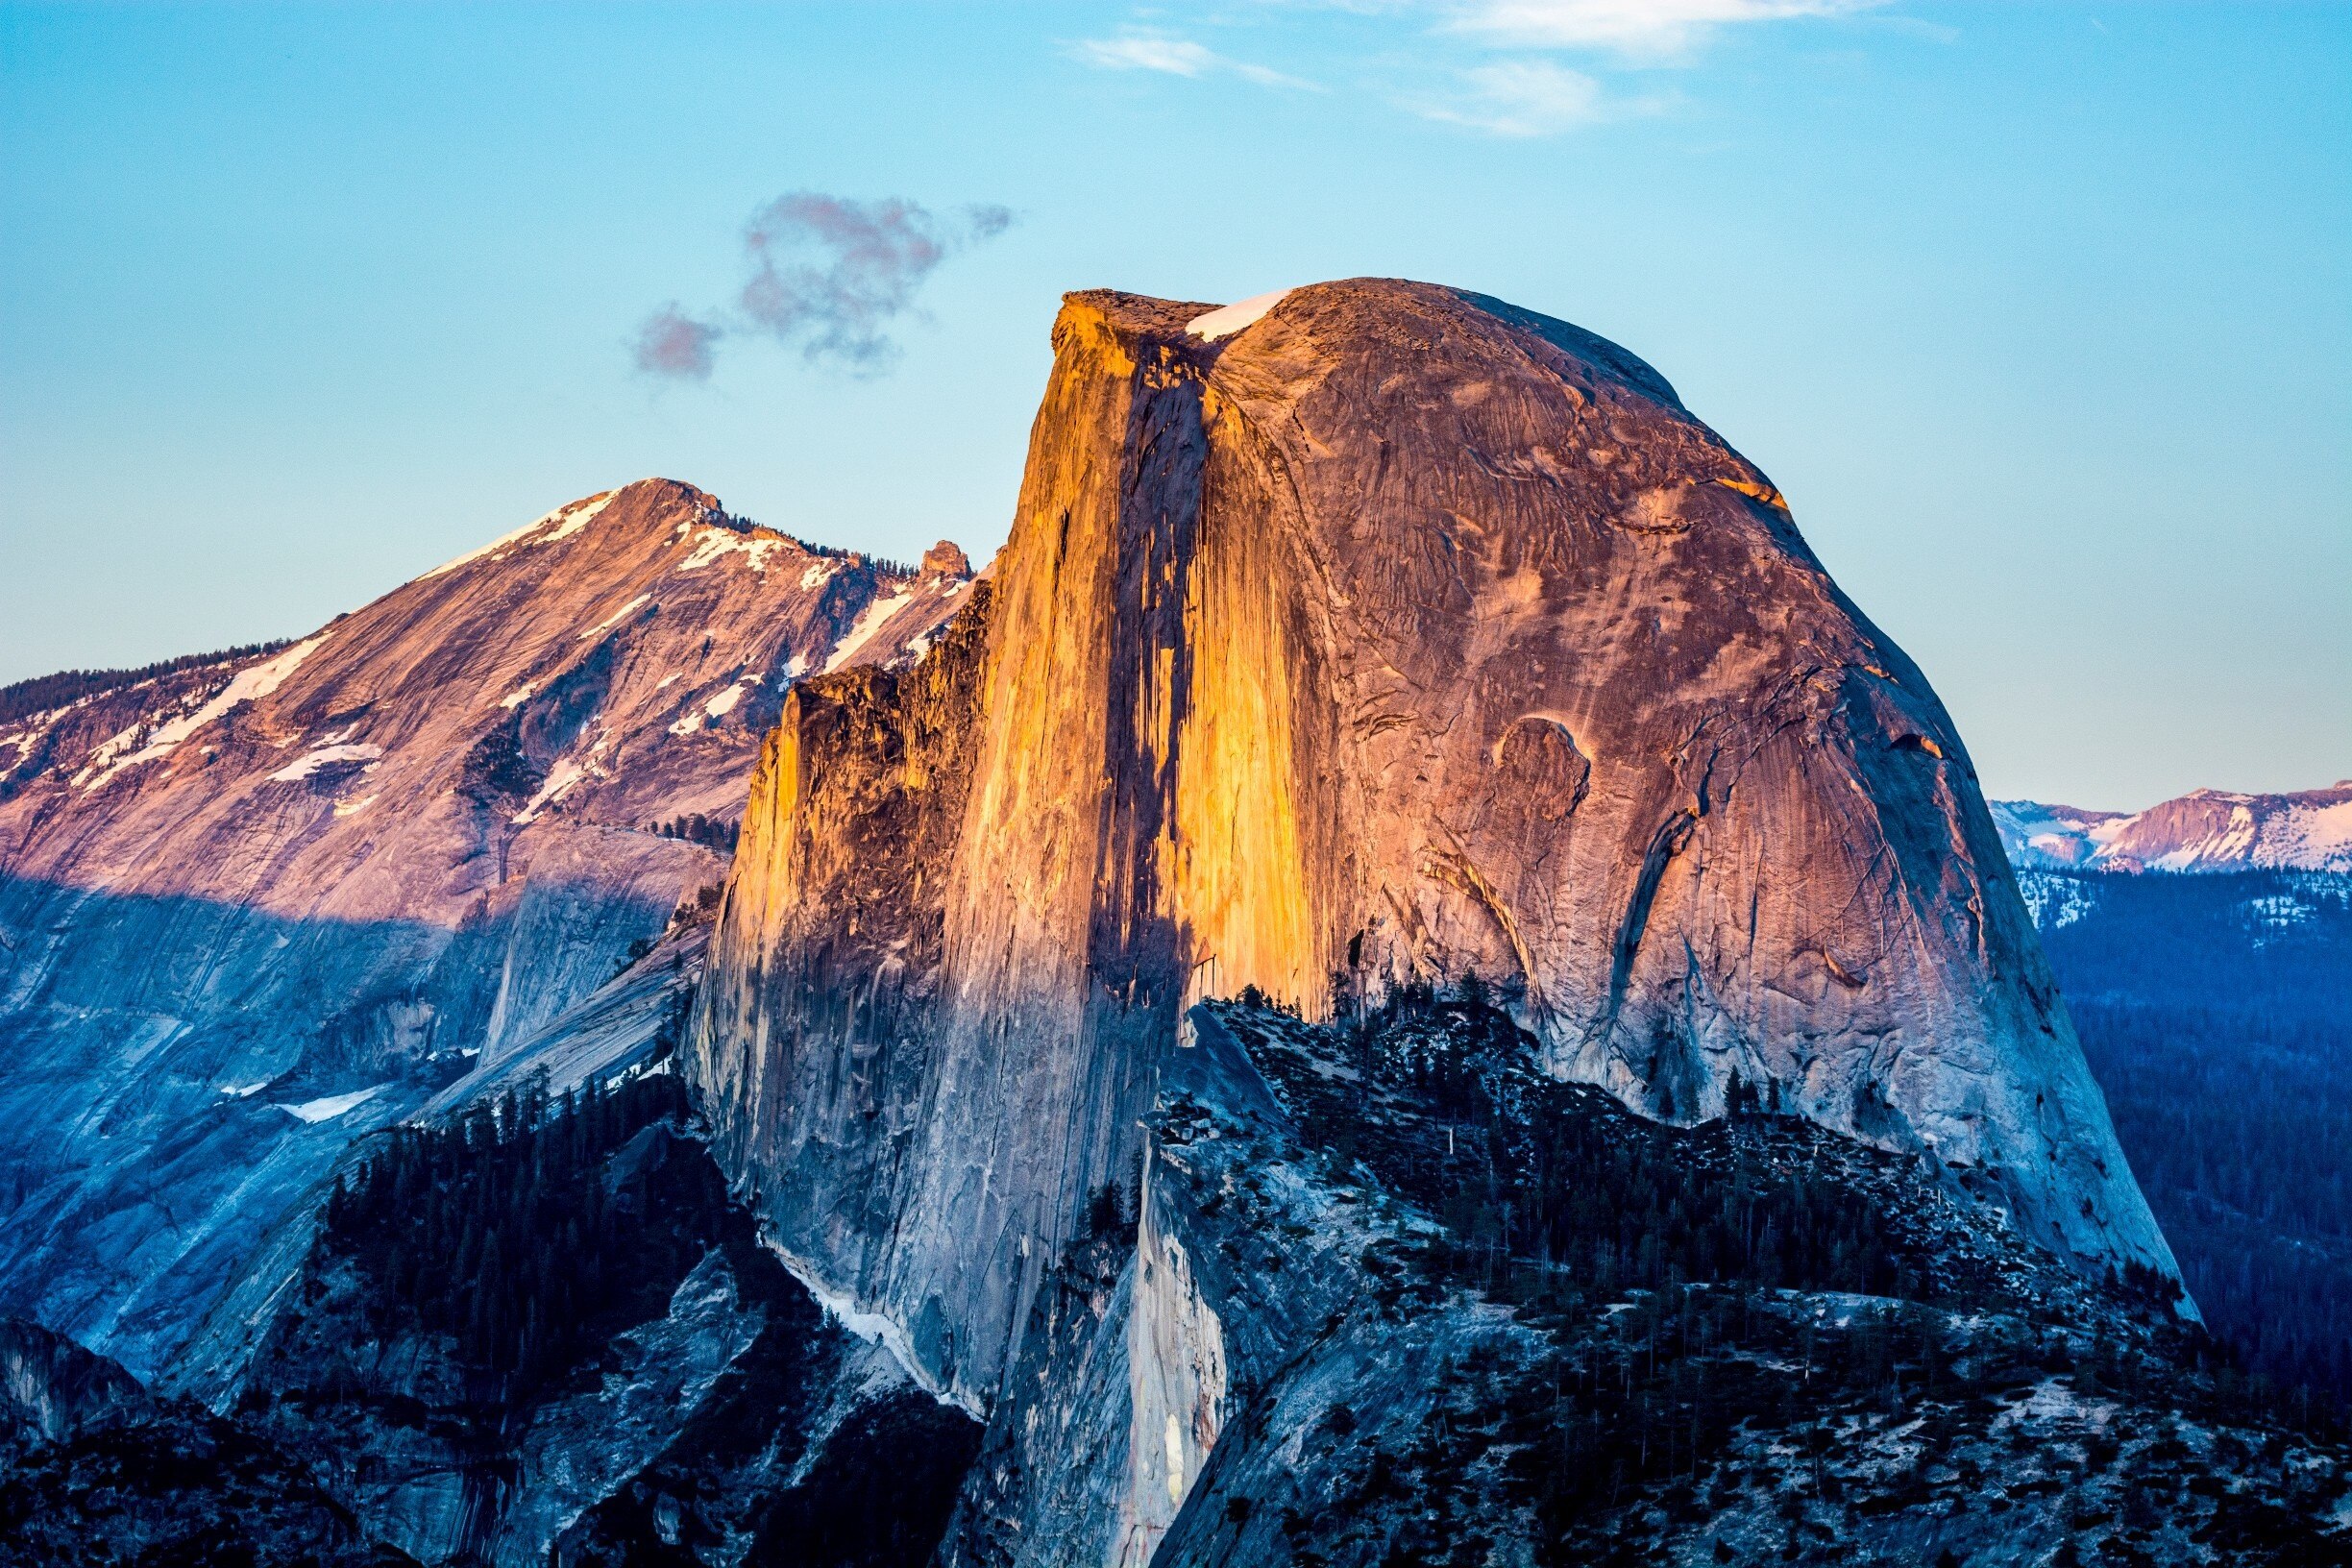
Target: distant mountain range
2205,830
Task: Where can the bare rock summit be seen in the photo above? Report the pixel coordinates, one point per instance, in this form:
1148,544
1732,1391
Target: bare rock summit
1385,636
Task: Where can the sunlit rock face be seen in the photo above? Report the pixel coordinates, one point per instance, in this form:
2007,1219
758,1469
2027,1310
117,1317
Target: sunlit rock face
1386,635
250,910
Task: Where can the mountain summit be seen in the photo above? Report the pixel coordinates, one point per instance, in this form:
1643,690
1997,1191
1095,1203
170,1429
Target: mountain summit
1392,638
251,910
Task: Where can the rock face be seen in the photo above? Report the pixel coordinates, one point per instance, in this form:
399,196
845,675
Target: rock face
617,1368
51,1388
1385,637
2205,830
1397,1296
253,910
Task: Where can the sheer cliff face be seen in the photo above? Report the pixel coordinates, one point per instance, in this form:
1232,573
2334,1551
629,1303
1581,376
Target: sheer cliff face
249,910
1398,635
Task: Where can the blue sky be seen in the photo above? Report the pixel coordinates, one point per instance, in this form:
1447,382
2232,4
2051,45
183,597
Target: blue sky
2041,314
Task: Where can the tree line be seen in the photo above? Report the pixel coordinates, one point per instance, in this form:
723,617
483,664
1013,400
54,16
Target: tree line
520,1233
21,700
711,832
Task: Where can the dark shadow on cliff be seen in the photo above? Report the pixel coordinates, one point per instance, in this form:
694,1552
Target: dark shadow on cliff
544,1325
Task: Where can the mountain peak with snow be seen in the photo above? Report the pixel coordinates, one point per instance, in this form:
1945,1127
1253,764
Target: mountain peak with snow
2205,830
313,881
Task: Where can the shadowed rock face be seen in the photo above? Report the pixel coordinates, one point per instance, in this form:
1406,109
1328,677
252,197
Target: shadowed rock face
51,1388
1400,634
251,910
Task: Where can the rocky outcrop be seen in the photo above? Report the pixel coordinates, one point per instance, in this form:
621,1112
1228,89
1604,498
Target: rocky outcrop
251,910
2205,830
1468,1314
93,1469
537,1329
51,1388
1389,636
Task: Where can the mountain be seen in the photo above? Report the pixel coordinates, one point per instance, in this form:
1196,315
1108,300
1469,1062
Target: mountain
2205,830
1463,1311
1403,981
253,908
1391,638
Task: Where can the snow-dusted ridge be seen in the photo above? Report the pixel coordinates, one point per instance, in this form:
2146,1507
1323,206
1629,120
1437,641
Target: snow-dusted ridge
250,684
566,522
2205,830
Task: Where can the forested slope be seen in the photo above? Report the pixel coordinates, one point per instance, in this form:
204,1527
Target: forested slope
2216,1012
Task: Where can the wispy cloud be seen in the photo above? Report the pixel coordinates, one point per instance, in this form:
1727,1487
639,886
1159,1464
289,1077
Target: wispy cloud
1647,31
1173,57
828,275
1514,68
1518,98
673,343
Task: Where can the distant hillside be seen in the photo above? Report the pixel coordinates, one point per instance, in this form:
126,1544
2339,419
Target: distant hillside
2205,830
2216,1012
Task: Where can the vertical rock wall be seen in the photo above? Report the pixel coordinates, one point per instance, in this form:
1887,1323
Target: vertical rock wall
1402,635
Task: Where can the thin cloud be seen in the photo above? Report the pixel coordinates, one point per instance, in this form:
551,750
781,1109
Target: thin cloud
1519,98
672,343
829,275
1640,30
1173,57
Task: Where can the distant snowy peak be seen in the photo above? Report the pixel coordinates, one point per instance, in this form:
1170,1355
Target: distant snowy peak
2205,830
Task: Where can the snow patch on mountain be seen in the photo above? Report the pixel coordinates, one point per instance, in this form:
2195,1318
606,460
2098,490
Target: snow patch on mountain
247,685
331,1106
2055,902
561,778
572,519
2205,830
616,618
712,544
566,522
869,622
2053,835
1227,320
310,762
719,706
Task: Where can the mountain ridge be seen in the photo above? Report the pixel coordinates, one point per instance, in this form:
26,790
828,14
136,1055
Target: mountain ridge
2205,830
252,909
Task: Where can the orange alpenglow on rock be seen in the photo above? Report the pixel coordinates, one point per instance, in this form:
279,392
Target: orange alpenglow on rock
1389,635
